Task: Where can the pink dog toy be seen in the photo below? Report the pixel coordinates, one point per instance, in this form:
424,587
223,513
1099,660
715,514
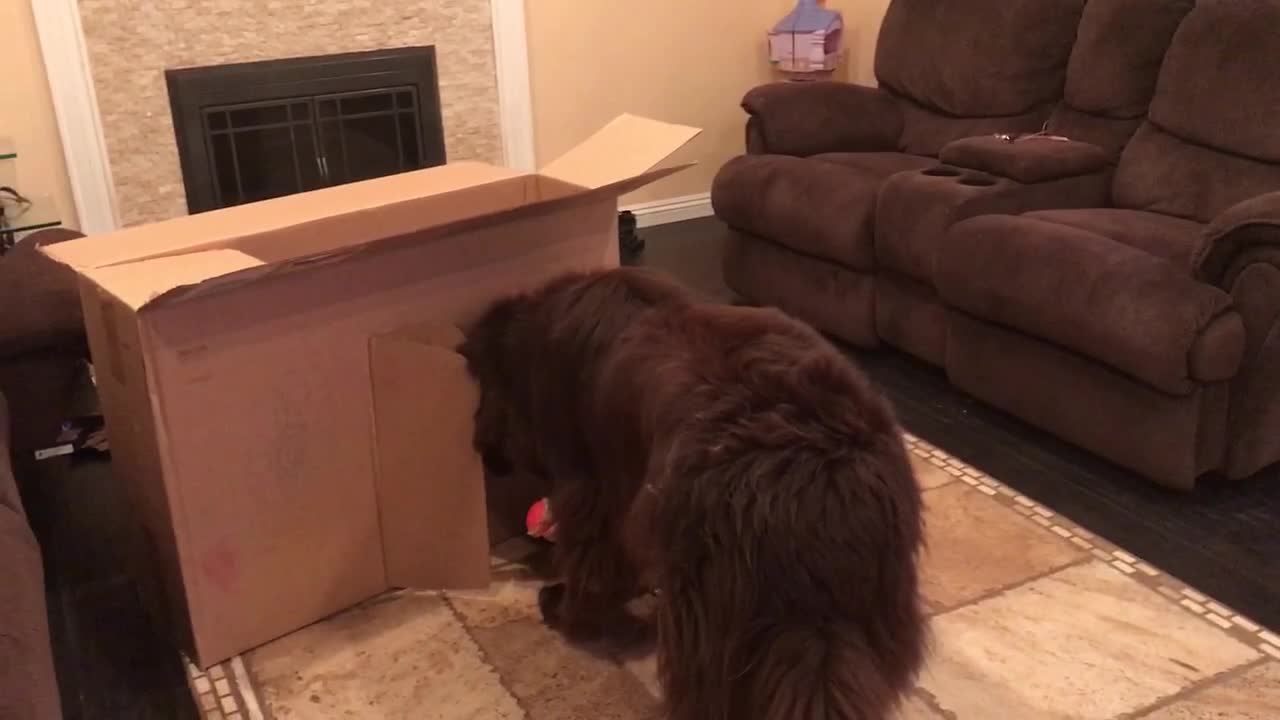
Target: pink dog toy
539,523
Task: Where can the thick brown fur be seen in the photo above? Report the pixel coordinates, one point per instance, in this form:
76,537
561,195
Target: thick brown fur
735,460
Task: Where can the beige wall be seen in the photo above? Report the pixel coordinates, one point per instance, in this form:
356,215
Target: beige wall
862,19
686,62
26,112
672,59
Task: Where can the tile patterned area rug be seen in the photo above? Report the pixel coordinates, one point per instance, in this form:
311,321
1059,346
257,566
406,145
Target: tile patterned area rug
1033,618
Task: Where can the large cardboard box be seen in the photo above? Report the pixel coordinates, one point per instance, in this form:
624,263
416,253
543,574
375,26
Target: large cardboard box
283,405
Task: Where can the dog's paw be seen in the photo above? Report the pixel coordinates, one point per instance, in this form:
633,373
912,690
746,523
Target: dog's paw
549,599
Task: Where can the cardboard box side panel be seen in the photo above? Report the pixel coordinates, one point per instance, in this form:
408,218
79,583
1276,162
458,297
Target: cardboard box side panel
278,511
279,505
116,348
430,482
219,228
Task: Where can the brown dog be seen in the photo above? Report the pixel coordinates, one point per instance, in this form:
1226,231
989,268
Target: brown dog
730,457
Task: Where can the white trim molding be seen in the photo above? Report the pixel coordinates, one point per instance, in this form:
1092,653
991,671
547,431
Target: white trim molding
66,60
515,100
661,212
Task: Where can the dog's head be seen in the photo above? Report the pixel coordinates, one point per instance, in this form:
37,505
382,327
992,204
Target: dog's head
489,349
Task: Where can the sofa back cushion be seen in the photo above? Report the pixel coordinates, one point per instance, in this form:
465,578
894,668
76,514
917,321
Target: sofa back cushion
1111,76
1210,139
955,62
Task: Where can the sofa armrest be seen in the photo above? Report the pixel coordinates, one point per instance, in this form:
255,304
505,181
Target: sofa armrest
1029,159
1240,253
805,119
1243,234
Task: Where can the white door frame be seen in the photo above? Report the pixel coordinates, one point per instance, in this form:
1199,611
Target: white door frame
66,60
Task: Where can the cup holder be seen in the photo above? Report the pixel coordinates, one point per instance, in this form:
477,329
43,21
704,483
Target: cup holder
977,181
941,171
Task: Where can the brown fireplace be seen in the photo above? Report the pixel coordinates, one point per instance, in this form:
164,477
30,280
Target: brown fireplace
252,131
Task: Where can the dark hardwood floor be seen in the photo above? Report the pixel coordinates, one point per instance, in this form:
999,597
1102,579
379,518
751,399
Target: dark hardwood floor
1224,538
112,661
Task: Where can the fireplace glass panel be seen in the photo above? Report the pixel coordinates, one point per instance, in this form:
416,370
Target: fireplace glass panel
253,131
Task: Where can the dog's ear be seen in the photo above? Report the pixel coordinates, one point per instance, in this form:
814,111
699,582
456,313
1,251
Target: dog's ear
486,338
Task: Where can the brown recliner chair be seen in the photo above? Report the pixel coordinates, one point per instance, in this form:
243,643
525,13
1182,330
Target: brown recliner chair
1146,330
1111,76
802,201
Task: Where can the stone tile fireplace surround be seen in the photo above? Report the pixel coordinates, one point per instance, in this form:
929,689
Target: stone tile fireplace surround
130,45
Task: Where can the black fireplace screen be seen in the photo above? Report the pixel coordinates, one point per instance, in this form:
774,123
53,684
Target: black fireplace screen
260,130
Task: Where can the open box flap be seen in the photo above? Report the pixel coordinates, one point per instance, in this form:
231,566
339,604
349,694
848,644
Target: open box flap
626,148
138,284
429,480
191,256
178,278
275,221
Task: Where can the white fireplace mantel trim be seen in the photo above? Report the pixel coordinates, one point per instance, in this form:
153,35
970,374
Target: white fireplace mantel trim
66,60
515,102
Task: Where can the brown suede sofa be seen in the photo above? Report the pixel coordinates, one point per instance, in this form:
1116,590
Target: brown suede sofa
28,688
42,348
1120,289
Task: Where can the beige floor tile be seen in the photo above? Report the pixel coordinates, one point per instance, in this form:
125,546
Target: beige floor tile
1085,643
1253,695
554,681
929,476
976,545
402,656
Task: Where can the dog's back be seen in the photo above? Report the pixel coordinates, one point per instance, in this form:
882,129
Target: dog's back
787,529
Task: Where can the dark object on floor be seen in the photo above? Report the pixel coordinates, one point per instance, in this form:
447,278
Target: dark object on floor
784,539
28,686
1220,538
81,437
1120,290
113,660
630,242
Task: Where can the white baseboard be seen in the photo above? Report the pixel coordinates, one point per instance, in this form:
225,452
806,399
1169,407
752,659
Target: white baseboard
661,212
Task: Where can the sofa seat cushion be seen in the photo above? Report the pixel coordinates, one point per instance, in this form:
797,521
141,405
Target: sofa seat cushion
822,206
1129,309
1174,239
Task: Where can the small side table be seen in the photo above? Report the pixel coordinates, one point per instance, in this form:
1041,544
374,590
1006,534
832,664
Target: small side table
14,219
